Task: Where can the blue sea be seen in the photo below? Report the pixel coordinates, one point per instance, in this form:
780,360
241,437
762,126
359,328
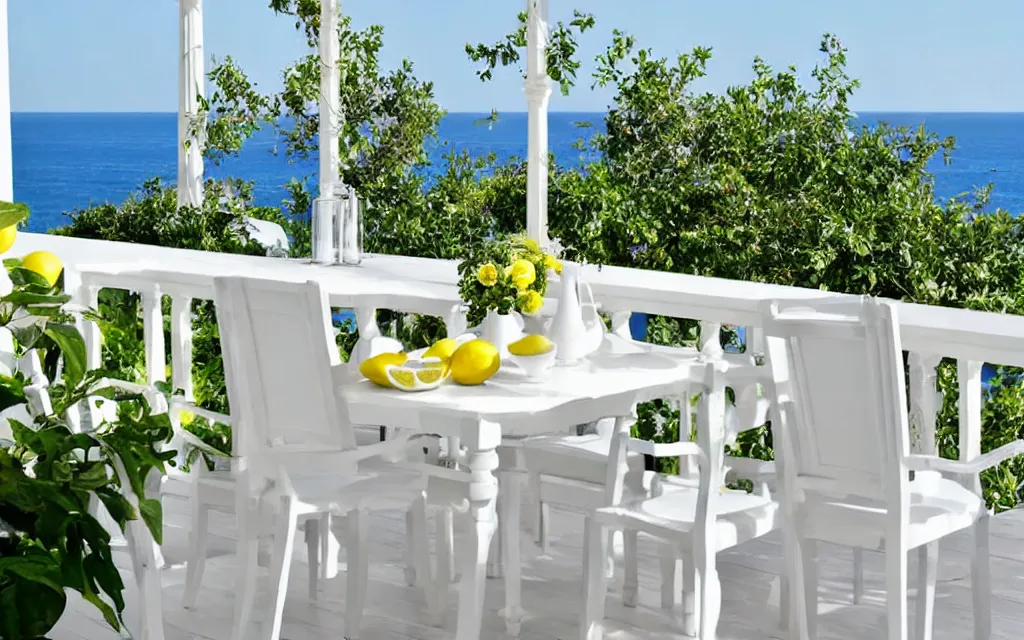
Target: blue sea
67,161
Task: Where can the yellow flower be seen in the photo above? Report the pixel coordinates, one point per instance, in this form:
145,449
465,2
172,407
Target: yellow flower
531,245
530,302
552,263
522,273
487,275
186,417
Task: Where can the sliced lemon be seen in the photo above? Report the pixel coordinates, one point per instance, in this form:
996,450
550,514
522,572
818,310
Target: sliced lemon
417,375
373,368
531,345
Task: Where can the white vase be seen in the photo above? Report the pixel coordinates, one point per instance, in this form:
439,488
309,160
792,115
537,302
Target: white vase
501,330
576,330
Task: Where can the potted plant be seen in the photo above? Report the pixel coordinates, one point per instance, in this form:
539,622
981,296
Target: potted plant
52,477
500,278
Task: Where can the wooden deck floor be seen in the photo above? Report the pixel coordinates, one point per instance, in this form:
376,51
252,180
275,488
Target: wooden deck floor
551,592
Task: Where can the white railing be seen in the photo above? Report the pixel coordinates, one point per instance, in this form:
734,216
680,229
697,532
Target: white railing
429,287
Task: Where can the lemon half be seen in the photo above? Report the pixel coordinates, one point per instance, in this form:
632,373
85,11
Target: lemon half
417,375
531,345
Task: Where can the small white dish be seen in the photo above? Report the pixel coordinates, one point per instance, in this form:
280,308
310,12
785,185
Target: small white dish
536,367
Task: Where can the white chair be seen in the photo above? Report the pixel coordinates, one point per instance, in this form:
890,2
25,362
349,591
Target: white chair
695,520
297,448
841,438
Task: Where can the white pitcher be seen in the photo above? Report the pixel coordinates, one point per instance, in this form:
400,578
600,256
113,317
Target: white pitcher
575,335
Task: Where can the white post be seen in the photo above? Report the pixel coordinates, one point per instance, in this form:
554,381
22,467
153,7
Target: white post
6,164
330,106
538,92
191,86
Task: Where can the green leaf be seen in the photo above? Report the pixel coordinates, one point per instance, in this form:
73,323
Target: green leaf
12,213
26,298
72,348
153,515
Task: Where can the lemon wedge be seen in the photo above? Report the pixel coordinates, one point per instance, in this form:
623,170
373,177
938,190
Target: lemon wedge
374,368
474,362
531,345
416,375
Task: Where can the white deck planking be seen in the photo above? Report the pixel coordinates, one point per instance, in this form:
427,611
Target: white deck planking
552,591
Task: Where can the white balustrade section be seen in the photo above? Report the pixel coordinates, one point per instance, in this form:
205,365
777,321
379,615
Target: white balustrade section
429,287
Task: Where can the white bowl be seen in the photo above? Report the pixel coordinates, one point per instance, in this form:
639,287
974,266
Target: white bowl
536,366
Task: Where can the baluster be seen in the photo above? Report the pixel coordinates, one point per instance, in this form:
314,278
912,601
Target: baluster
620,324
153,332
366,324
711,339
969,377
925,401
181,345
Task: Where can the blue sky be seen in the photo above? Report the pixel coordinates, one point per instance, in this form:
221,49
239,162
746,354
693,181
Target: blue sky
911,55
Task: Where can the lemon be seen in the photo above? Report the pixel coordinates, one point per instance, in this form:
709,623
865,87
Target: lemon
45,264
416,375
7,235
442,349
375,368
531,345
474,362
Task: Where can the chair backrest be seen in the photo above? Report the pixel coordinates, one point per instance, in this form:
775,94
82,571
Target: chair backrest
279,356
841,409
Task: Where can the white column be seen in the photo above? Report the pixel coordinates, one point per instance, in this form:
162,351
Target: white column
538,92
6,164
330,110
191,86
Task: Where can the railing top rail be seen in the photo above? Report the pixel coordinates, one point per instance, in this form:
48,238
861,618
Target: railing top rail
430,286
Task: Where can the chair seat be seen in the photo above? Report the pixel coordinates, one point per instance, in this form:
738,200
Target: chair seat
583,458
938,506
741,516
341,494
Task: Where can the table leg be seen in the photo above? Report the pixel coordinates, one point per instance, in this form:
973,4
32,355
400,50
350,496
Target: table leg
510,504
481,459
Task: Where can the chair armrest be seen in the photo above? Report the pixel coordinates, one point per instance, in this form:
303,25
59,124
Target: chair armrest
917,462
179,404
667,449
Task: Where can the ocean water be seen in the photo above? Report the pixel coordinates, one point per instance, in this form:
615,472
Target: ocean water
67,161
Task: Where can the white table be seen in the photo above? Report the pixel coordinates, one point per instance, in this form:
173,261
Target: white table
607,384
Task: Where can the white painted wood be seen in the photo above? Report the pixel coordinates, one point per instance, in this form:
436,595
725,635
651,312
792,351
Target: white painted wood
6,163
329,107
538,92
191,89
842,436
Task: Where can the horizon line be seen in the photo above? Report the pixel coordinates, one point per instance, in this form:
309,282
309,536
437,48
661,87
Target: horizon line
477,113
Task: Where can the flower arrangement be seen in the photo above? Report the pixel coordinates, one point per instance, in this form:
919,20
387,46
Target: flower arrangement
504,276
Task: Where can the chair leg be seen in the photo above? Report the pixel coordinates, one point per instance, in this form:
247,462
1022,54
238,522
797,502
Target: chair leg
631,579
198,537
784,602
408,553
329,549
668,565
421,549
494,555
896,588
544,515
924,609
981,580
809,549
438,603
509,524
313,554
358,572
691,598
708,592
246,557
595,541
284,548
533,487
858,576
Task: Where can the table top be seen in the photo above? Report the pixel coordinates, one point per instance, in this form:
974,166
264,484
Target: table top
607,383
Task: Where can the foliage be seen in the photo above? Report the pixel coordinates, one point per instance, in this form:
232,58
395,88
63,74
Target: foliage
560,50
503,276
50,476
